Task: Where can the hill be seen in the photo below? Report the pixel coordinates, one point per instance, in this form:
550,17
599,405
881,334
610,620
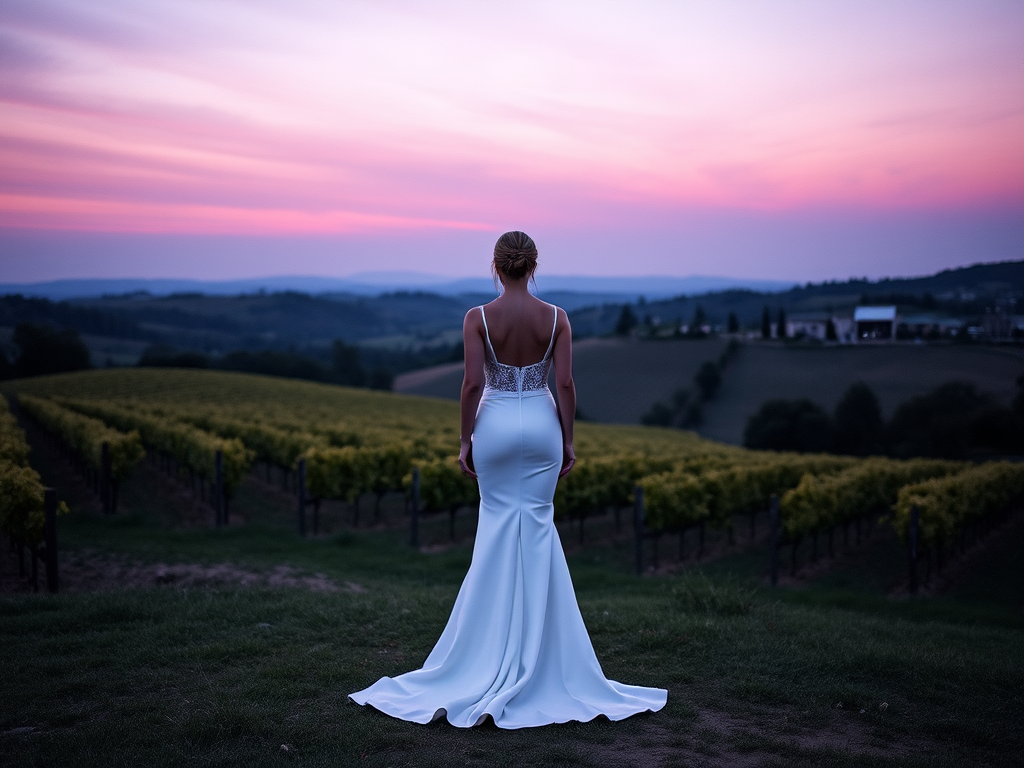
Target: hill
895,372
965,293
617,380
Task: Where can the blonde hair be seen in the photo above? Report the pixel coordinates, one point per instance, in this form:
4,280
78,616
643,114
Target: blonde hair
515,255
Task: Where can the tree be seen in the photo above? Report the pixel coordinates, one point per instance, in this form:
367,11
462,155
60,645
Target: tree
680,398
733,323
166,356
43,350
789,425
381,378
347,366
953,421
766,324
708,379
858,422
659,415
270,362
627,321
692,416
782,324
1018,400
700,319
6,368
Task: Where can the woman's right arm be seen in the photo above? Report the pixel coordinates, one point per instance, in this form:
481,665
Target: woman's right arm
565,389
472,385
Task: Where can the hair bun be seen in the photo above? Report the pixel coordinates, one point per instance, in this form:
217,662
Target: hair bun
515,255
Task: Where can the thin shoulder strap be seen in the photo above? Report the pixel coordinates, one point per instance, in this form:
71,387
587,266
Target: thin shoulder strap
554,325
487,334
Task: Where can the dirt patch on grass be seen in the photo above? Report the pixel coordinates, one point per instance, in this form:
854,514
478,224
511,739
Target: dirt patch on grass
87,571
722,740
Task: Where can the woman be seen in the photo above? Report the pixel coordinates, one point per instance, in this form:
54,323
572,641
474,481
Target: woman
515,648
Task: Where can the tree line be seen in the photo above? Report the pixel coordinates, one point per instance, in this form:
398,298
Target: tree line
953,421
43,349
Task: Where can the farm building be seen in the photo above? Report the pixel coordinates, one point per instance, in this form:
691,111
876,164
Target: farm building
808,326
875,323
815,326
929,325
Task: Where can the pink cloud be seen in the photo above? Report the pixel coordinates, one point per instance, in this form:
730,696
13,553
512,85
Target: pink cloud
249,118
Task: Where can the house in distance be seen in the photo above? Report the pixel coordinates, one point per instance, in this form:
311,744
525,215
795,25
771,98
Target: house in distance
875,323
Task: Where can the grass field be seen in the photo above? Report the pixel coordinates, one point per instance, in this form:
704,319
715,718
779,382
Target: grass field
178,644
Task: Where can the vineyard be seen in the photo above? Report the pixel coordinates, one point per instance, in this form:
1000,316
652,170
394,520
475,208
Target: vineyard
334,443
28,511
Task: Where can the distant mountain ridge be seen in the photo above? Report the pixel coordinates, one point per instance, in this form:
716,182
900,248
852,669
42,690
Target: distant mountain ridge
419,324
622,289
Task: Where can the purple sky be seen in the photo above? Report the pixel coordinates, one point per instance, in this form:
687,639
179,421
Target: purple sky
786,140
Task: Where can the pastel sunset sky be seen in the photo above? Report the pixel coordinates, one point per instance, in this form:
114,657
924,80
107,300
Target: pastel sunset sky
792,140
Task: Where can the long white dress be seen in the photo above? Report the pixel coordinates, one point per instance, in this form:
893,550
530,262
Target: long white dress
515,646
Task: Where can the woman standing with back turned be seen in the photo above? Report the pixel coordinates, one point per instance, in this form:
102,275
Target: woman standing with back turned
515,647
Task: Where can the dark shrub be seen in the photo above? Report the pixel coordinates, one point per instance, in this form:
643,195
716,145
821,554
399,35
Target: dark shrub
789,425
381,378
858,422
708,379
347,365
659,415
166,356
6,367
270,363
953,421
626,323
43,349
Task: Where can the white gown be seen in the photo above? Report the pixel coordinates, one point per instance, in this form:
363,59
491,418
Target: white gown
515,646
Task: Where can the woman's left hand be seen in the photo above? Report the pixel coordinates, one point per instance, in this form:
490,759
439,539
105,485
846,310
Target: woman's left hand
466,458
568,459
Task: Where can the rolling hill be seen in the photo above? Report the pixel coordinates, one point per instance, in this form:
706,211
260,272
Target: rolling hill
617,380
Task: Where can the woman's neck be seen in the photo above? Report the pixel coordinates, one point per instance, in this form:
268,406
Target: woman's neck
517,288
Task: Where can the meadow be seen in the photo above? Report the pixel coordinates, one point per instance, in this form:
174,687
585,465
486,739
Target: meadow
176,643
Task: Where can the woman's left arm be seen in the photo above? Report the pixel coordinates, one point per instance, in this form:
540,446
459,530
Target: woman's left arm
565,388
472,385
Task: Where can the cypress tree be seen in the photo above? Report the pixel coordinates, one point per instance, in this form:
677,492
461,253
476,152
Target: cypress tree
733,324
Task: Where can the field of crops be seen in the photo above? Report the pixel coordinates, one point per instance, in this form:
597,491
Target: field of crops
212,427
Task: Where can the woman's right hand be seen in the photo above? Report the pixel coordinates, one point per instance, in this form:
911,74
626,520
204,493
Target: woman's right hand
568,459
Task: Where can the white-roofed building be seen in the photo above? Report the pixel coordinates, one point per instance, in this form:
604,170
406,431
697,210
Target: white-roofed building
875,323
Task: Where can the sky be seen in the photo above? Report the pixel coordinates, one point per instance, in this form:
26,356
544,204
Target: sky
788,140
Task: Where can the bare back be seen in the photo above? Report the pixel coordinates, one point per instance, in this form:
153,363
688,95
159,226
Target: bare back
520,329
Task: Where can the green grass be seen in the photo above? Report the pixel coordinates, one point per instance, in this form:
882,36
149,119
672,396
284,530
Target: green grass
169,676
231,675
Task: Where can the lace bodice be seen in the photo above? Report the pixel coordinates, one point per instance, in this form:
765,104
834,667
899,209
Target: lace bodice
500,377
